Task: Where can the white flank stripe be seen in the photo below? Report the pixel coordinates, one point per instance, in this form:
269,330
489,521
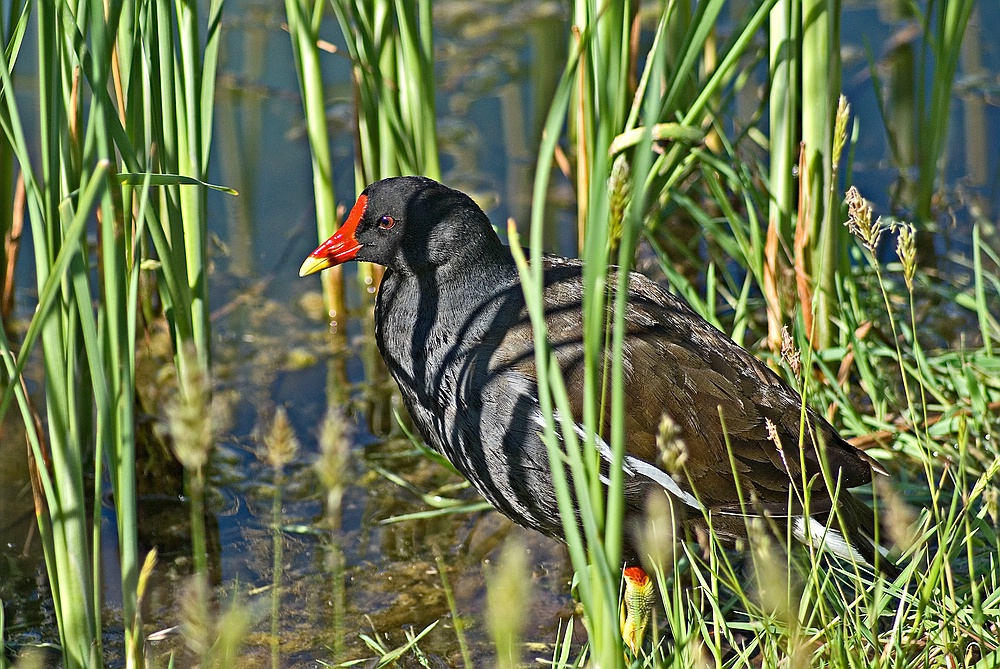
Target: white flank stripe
665,480
632,465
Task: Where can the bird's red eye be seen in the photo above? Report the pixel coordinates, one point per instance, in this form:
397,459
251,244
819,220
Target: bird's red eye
386,222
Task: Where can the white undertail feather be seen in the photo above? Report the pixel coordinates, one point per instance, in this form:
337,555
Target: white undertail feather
828,537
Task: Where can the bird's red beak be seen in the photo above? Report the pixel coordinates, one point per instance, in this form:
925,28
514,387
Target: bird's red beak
339,248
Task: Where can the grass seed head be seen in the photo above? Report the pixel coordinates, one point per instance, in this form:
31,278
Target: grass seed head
789,352
194,417
906,249
507,593
673,450
334,454
859,220
772,433
899,518
840,129
620,189
774,585
658,534
280,442
991,499
195,616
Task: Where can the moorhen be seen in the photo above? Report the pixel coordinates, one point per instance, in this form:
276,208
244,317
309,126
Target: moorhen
451,324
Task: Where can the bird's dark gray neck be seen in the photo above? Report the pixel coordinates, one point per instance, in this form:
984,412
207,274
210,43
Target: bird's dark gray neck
429,327
453,298
423,321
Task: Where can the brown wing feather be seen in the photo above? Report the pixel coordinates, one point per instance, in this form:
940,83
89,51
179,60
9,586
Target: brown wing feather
677,364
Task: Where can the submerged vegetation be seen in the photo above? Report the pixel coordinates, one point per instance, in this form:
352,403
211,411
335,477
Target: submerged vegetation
744,219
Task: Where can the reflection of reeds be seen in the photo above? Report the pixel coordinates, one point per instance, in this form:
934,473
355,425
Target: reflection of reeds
977,151
281,447
332,468
944,28
916,104
239,123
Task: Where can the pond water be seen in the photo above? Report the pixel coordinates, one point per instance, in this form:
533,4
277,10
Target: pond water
274,346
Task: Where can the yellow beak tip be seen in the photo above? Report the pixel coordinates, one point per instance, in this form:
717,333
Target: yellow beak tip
311,265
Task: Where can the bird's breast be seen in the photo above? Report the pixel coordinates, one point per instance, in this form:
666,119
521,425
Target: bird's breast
427,336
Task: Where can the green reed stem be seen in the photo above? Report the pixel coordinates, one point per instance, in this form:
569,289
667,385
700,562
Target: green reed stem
594,86
784,109
597,587
820,54
87,313
305,18
391,47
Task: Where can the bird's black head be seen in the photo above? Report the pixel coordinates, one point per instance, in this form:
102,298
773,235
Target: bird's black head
410,225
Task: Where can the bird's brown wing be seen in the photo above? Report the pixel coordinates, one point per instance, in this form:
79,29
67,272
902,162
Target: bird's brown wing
678,365
717,392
